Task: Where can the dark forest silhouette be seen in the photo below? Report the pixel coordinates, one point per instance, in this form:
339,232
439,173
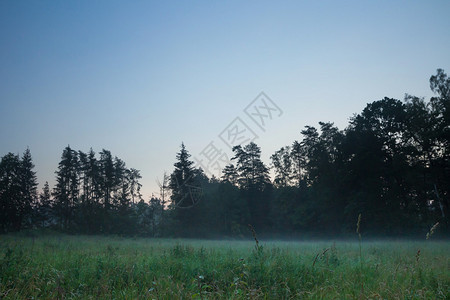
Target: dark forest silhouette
391,164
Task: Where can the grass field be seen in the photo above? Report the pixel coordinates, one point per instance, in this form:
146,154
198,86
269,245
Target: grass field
93,267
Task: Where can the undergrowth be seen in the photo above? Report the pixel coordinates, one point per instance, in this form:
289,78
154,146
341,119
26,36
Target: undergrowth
74,267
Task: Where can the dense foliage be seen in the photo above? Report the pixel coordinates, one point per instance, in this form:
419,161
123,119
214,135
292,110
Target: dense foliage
391,164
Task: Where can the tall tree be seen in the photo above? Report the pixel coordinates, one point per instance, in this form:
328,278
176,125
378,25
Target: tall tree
182,179
11,216
135,187
377,158
230,175
440,85
164,195
66,190
298,158
252,172
17,191
282,164
106,166
45,207
254,182
185,186
155,215
29,188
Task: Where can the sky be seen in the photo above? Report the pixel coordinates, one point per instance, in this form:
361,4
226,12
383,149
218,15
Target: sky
138,78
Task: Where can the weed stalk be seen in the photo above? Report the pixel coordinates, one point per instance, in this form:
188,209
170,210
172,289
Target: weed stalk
358,231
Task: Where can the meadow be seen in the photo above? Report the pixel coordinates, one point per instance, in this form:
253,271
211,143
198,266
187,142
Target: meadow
57,266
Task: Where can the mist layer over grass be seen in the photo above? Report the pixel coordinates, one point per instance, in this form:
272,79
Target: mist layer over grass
92,267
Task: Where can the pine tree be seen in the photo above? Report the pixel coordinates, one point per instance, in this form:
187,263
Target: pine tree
282,163
230,175
184,184
66,190
155,209
135,187
181,179
17,191
121,188
106,165
83,177
10,193
298,163
45,207
94,179
29,188
254,182
252,172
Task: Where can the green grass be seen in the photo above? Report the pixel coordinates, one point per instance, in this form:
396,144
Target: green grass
93,267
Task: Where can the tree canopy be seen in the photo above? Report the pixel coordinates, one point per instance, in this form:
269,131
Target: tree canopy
390,164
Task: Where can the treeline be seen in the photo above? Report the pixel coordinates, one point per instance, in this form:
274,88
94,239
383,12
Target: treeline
391,164
92,194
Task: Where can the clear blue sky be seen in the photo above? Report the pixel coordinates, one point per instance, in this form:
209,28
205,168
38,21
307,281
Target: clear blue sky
140,77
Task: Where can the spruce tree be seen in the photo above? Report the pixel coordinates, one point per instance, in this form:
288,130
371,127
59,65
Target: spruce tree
184,185
10,193
29,189
181,179
66,190
45,207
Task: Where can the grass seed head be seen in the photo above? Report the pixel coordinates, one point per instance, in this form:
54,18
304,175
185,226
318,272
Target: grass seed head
358,224
431,232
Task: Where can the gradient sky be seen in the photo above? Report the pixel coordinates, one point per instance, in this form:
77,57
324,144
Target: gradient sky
139,77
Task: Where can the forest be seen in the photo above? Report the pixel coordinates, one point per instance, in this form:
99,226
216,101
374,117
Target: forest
391,164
